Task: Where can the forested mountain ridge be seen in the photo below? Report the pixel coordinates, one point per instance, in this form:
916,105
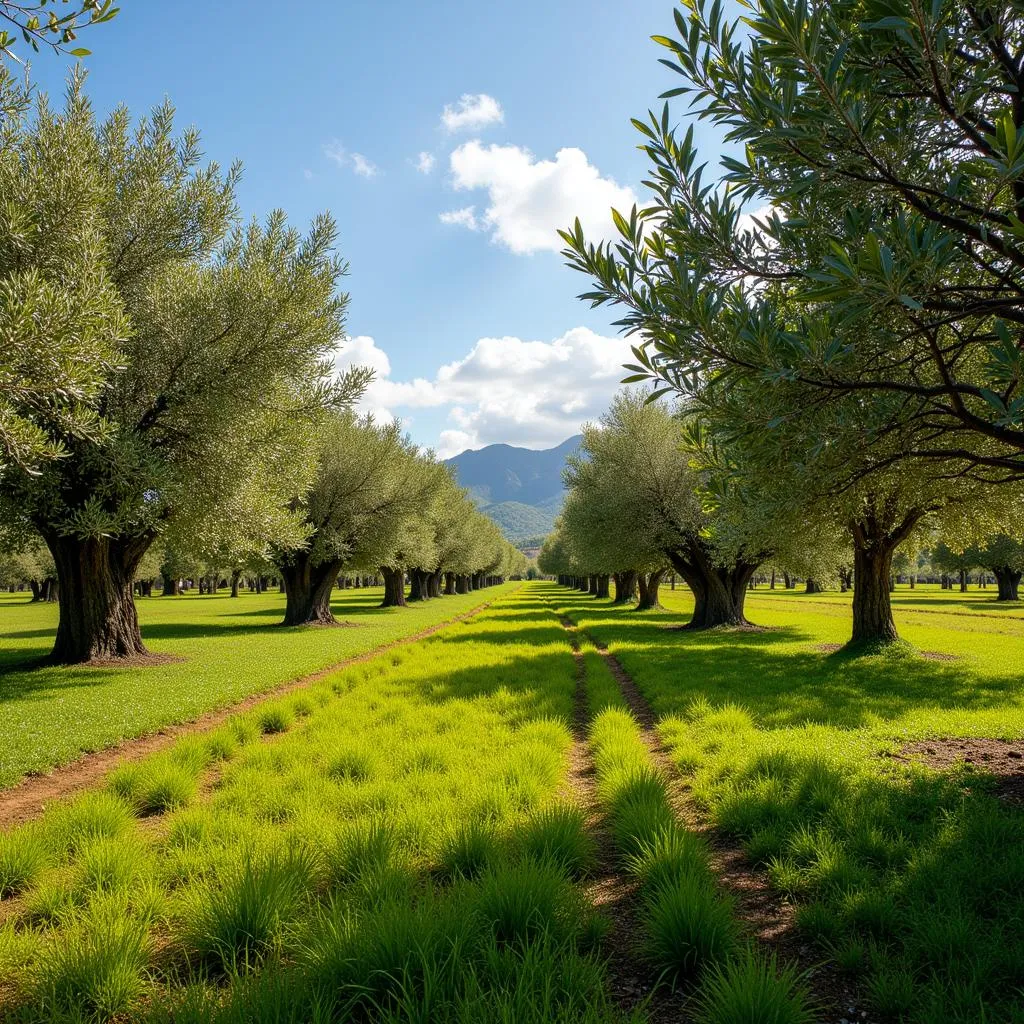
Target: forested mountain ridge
520,489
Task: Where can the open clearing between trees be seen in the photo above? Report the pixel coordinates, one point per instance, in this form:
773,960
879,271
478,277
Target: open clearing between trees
477,827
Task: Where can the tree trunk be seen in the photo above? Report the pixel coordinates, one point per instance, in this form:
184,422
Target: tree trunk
625,587
873,548
434,584
812,586
462,584
602,585
719,592
236,575
788,581
170,585
394,588
1008,582
771,586
648,584
97,610
418,585
308,588
37,590
449,583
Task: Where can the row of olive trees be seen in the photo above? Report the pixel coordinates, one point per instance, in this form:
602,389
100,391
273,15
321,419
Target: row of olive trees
854,353
166,381
647,496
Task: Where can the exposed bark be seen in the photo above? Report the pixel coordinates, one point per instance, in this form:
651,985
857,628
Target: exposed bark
719,591
812,586
874,545
625,587
1008,582
308,587
394,588
434,584
592,585
236,575
449,583
418,585
97,609
649,584
602,585
37,590
170,584
462,584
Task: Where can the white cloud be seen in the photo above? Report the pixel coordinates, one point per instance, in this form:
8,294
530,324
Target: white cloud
356,162
363,167
529,199
425,162
466,217
474,110
530,393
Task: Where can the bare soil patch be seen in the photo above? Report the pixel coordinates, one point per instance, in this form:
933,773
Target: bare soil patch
27,799
1001,759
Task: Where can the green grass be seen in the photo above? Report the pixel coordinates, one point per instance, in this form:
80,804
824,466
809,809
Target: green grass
907,878
231,648
397,850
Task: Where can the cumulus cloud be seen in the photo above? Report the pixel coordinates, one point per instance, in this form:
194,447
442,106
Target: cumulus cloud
465,217
473,111
530,199
529,393
356,162
425,162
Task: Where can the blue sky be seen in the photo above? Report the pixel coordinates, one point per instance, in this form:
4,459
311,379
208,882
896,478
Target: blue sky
458,295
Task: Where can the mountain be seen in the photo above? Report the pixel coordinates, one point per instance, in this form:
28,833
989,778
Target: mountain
520,489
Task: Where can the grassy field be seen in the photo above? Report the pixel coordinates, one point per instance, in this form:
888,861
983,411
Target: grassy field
387,845
405,840
230,648
906,877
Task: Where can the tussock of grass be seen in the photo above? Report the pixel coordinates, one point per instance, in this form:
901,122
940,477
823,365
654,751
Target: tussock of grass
558,835
236,921
752,989
96,969
23,856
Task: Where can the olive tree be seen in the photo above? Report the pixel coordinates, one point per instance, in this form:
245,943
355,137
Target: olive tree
220,334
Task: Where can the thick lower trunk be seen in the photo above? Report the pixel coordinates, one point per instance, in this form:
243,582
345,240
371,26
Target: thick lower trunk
394,588
625,587
419,585
462,584
602,585
308,587
449,583
719,591
435,584
37,590
872,599
236,575
649,584
963,581
170,585
812,586
1008,582
97,610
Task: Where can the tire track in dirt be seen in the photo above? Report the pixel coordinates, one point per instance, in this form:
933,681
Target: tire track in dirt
27,799
765,915
612,892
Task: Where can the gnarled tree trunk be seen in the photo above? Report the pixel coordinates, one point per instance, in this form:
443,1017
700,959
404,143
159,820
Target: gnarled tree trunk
97,609
419,585
307,586
449,583
462,584
649,584
719,591
625,587
170,585
1008,582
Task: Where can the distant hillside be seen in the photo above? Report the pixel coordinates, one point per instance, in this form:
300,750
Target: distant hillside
520,489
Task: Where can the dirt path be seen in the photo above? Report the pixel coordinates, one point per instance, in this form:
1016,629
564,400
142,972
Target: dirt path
27,799
612,892
765,915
